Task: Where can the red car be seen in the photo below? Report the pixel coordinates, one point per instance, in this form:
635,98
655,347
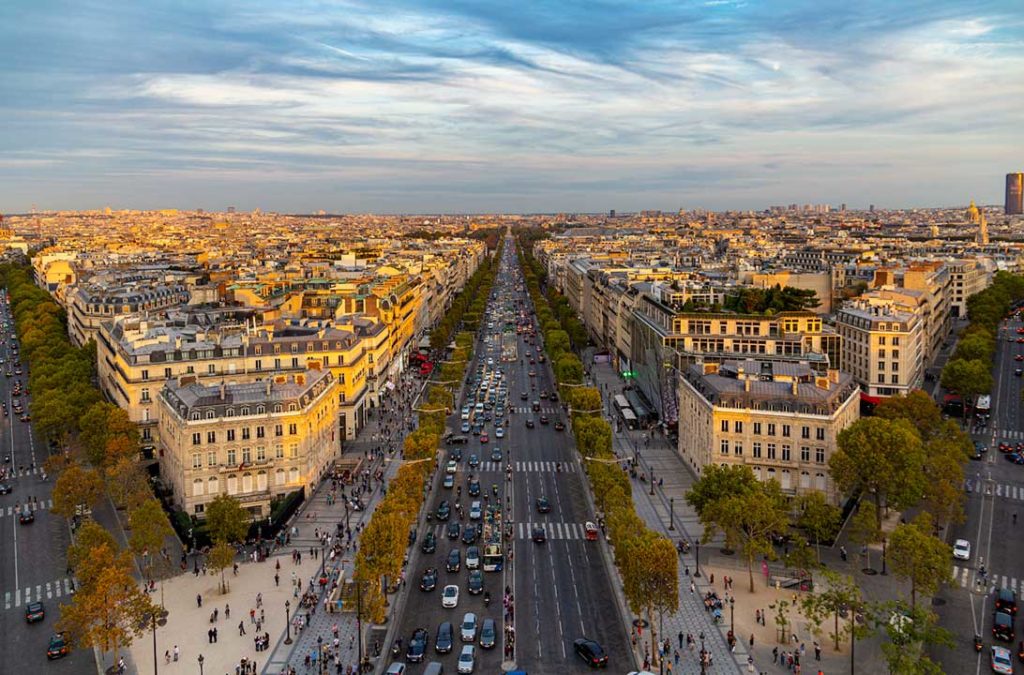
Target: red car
484,438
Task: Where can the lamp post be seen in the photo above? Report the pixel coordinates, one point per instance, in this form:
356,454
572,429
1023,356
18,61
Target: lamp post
732,616
153,619
287,622
703,659
671,513
201,659
696,572
320,653
883,556
359,621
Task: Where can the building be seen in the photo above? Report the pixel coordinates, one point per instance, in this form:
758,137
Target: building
255,441
1014,194
882,348
781,419
968,277
93,303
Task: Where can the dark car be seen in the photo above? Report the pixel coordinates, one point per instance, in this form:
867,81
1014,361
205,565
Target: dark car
1006,601
544,419
1015,457
454,529
1002,626
454,562
559,425
429,580
544,395
443,641
470,534
474,488
529,422
538,535
543,505
34,612
475,585
5,489
473,461
455,455
417,646
58,647
523,396
535,406
26,516
443,510
457,440
591,652
429,544
488,634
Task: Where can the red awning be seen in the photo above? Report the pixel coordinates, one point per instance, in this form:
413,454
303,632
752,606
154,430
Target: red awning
873,400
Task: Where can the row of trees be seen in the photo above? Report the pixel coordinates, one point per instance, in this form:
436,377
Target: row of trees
969,371
647,561
778,298
383,542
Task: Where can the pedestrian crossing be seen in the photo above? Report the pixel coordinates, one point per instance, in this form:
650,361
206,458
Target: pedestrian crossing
21,473
37,593
38,506
497,467
968,577
1008,435
556,531
526,410
1002,490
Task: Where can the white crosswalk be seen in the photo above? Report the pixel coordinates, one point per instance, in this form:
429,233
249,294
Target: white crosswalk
15,473
543,466
544,410
968,577
39,506
556,531
37,593
1008,435
1002,490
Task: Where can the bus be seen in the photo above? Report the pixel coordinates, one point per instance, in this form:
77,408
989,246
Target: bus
983,408
493,558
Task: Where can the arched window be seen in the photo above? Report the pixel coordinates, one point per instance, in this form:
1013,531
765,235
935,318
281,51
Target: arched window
245,411
261,481
279,477
195,417
247,483
232,484
260,410
230,412
213,485
278,408
210,414
197,487
805,480
819,479
293,475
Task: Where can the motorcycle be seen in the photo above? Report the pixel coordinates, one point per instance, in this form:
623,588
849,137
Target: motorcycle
487,598
494,489
977,643
1020,651
396,649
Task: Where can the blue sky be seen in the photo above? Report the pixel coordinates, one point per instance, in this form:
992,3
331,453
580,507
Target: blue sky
403,106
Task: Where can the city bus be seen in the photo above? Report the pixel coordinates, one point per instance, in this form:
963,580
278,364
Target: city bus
493,558
983,408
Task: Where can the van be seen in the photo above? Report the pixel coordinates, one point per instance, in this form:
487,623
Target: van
434,668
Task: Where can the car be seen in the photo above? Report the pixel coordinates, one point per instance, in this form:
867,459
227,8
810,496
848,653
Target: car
34,612
559,425
470,534
544,419
591,652
1019,357
467,630
529,422
467,659
5,489
417,648
444,511
1006,601
1001,661
451,467
465,413
543,505
454,529
429,544
962,549
465,427
496,455
535,406
484,438
1017,371
58,646
475,585
979,450
472,557
499,433
1014,457
474,488
449,481
395,669
538,535
523,396
473,460
428,581
450,596
488,634
26,516
455,455
475,511
444,638
457,440
532,373
454,562
1002,626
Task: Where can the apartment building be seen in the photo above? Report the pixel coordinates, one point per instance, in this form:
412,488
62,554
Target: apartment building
967,277
883,347
254,441
924,288
90,304
781,419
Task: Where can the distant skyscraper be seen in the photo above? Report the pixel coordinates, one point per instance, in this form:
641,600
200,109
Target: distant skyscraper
231,209
611,213
1014,193
871,208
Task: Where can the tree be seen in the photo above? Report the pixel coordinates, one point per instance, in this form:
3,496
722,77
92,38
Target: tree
970,379
650,574
883,458
749,520
917,407
76,486
125,481
119,448
864,531
909,630
226,520
149,529
109,613
584,400
94,431
839,594
720,481
947,453
818,518
222,556
978,346
90,537
568,369
919,557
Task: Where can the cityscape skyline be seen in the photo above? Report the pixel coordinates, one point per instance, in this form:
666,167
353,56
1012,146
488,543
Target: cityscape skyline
421,107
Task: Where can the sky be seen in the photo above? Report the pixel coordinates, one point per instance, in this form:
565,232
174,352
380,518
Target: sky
402,106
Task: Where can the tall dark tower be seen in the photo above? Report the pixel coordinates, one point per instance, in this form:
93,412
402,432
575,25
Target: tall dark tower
1014,193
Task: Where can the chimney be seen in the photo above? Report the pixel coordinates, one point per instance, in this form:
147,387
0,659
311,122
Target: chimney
746,384
177,343
269,383
223,390
796,387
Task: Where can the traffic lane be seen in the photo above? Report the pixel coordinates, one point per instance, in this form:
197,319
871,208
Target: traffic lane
27,644
42,547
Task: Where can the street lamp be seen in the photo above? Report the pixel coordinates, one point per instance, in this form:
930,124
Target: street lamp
287,622
652,481
320,653
696,572
201,659
883,556
703,655
671,513
732,616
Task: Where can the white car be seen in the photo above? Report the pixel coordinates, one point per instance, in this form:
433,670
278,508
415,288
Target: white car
452,467
499,433
1002,663
962,549
475,511
450,596
467,659
465,413
468,627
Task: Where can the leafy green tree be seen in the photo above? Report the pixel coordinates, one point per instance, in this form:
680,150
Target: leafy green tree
222,556
917,407
910,630
978,346
947,453
76,486
650,575
970,379
865,530
883,458
149,529
918,556
833,595
818,518
719,482
226,520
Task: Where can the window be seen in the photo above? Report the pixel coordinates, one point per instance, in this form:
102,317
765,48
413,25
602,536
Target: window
725,425
199,508
771,429
737,427
293,450
230,412
895,379
247,455
881,340
245,433
819,455
757,428
259,432
881,378
293,429
190,370
805,432
894,366
261,454
881,365
197,438
195,416
210,414
881,353
786,452
785,431
279,451
211,458
725,447
819,433
231,435
895,353
805,454
197,460
211,368
145,374
737,449
197,487
232,457
278,430
213,485
167,373
277,364
211,436
756,450
259,364
895,341
771,451
295,362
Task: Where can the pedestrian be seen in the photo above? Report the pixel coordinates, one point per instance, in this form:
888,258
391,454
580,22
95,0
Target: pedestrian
817,651
199,599
176,652
751,640
227,611
757,616
215,634
775,654
241,628
680,636
209,636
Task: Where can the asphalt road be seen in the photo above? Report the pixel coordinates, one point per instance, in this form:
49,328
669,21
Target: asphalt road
561,587
32,561
995,493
